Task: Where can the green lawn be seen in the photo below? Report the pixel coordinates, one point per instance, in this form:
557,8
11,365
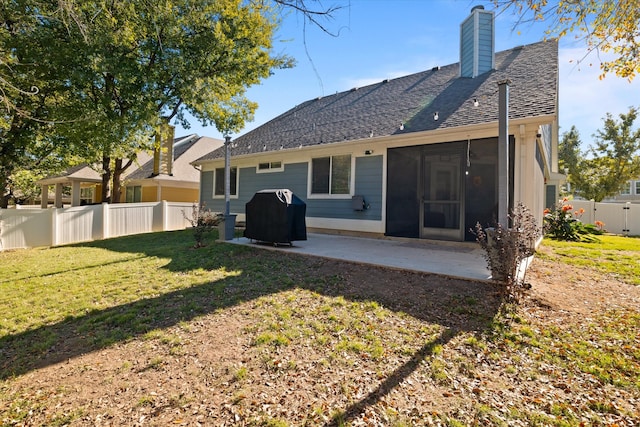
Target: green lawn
615,255
48,285
71,281
481,364
120,288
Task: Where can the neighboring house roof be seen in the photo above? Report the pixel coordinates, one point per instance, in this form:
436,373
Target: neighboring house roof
85,173
411,101
82,172
185,150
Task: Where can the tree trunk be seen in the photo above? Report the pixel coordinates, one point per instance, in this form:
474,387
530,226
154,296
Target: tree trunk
117,187
4,201
6,192
106,178
118,170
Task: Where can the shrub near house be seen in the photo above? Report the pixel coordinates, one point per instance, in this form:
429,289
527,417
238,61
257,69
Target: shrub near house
563,223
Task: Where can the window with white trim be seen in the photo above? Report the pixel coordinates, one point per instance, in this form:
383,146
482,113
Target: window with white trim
270,167
331,175
218,185
638,188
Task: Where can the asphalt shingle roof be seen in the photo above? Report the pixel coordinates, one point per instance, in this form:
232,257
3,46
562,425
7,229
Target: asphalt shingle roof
379,109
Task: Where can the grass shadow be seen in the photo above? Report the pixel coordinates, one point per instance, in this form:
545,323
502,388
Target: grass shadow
393,380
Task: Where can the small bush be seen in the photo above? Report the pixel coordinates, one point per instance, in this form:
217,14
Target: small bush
202,221
563,223
505,249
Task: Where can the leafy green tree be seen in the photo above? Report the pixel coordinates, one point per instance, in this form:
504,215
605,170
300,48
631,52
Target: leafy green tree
32,95
569,154
604,169
152,62
110,74
606,25
126,67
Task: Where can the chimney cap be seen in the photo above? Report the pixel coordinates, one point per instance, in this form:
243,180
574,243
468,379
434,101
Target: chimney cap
478,7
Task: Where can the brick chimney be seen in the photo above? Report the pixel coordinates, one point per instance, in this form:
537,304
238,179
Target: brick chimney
477,43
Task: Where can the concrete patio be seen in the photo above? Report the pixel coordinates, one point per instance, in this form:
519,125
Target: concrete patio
454,259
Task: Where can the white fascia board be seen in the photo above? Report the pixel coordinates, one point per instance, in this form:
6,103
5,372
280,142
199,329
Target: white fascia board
458,133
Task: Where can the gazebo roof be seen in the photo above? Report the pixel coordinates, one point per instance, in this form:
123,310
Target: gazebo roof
82,173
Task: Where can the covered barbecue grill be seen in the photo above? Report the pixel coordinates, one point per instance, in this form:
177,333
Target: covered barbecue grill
275,216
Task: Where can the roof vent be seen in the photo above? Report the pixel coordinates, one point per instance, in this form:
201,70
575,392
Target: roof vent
385,81
354,89
436,68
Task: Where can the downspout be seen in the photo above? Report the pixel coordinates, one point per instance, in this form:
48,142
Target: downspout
227,176
503,153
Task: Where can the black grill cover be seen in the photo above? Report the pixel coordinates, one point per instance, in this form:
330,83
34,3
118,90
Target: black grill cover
275,216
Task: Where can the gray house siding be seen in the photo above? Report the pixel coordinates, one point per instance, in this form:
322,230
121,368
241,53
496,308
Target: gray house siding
294,178
467,48
368,183
485,43
206,190
550,197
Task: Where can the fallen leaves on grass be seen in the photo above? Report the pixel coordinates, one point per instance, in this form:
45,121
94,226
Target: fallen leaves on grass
365,347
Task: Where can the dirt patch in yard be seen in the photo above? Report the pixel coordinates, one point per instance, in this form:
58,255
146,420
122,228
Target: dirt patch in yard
353,345
574,291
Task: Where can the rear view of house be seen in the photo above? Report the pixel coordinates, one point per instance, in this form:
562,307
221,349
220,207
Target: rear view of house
426,155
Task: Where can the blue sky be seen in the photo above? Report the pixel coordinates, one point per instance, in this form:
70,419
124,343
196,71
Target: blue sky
381,39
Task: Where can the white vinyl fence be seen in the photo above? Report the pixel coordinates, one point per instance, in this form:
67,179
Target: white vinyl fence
618,218
28,228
